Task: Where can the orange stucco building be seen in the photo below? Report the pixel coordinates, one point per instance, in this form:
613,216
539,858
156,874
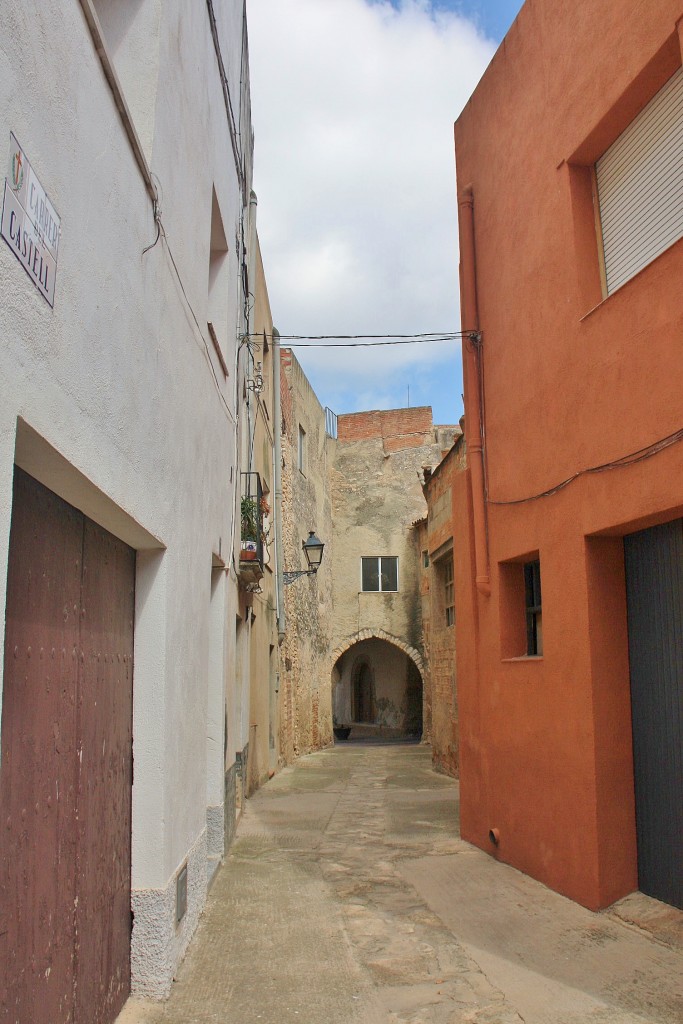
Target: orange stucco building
569,563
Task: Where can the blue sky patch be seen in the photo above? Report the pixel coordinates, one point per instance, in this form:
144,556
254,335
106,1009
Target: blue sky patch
493,17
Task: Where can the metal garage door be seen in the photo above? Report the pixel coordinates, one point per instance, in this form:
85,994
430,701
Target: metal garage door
66,768
654,588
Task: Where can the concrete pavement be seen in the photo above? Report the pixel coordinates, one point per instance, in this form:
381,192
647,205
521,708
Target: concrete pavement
348,898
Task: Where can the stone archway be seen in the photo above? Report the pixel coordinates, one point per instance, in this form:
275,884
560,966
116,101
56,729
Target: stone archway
378,634
394,673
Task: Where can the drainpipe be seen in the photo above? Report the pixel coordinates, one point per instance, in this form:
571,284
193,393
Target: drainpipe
472,385
277,440
251,304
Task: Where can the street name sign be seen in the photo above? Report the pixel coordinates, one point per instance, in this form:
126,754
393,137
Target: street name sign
30,224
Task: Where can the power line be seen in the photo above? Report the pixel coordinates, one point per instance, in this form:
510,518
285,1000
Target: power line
433,334
364,344
625,460
354,340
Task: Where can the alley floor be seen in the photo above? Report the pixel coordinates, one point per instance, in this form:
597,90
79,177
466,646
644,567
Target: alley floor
349,898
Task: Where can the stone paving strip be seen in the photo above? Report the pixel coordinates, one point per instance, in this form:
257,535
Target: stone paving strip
348,898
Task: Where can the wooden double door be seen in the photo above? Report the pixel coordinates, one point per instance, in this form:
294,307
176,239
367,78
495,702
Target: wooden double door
66,766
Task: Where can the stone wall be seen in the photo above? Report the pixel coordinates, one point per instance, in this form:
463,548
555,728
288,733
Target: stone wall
364,495
305,691
437,539
421,543
380,461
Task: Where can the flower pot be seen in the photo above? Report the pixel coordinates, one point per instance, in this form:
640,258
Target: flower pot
248,552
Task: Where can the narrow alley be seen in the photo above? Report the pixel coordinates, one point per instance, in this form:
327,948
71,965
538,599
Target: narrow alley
349,898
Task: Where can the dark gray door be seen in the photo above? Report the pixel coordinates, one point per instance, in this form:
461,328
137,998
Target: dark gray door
654,589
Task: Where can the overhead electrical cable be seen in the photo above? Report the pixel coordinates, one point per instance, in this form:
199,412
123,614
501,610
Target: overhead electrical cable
367,340
625,460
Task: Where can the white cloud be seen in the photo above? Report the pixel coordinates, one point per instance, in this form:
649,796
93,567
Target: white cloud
353,108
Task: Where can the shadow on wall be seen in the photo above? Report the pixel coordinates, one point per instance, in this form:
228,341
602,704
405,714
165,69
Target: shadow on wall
376,692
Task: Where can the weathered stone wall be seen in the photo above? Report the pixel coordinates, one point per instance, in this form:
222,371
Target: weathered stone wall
363,495
438,539
376,482
305,691
421,543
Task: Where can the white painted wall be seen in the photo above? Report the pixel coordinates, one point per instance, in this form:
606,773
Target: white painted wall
117,386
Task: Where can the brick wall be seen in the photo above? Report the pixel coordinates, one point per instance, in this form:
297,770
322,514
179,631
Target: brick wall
398,428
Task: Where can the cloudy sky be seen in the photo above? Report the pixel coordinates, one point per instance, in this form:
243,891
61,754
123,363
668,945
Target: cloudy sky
353,103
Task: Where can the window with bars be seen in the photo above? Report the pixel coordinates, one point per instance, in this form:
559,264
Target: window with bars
534,613
449,591
379,573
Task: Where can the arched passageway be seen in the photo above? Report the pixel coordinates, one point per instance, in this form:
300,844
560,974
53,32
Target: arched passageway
377,691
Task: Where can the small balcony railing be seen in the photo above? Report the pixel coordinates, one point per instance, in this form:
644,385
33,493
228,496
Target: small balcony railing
251,528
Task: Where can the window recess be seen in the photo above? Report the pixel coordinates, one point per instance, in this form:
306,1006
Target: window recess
301,451
446,590
219,286
520,608
534,612
639,189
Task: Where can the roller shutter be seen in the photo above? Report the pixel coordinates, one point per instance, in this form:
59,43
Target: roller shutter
640,186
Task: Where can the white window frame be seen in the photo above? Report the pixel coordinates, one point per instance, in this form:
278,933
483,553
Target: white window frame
380,590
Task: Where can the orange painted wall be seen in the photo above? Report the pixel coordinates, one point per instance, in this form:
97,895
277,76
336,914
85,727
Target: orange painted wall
571,381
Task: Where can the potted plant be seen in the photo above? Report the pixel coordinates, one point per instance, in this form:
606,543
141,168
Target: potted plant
250,519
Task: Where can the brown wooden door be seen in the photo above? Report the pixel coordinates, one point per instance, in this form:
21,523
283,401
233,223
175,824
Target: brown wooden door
66,767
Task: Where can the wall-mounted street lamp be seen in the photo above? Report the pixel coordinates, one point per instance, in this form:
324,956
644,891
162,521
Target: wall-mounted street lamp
313,549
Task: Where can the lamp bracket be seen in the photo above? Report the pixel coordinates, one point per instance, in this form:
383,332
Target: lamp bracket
289,577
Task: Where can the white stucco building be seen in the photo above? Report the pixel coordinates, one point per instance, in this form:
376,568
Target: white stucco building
118,404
